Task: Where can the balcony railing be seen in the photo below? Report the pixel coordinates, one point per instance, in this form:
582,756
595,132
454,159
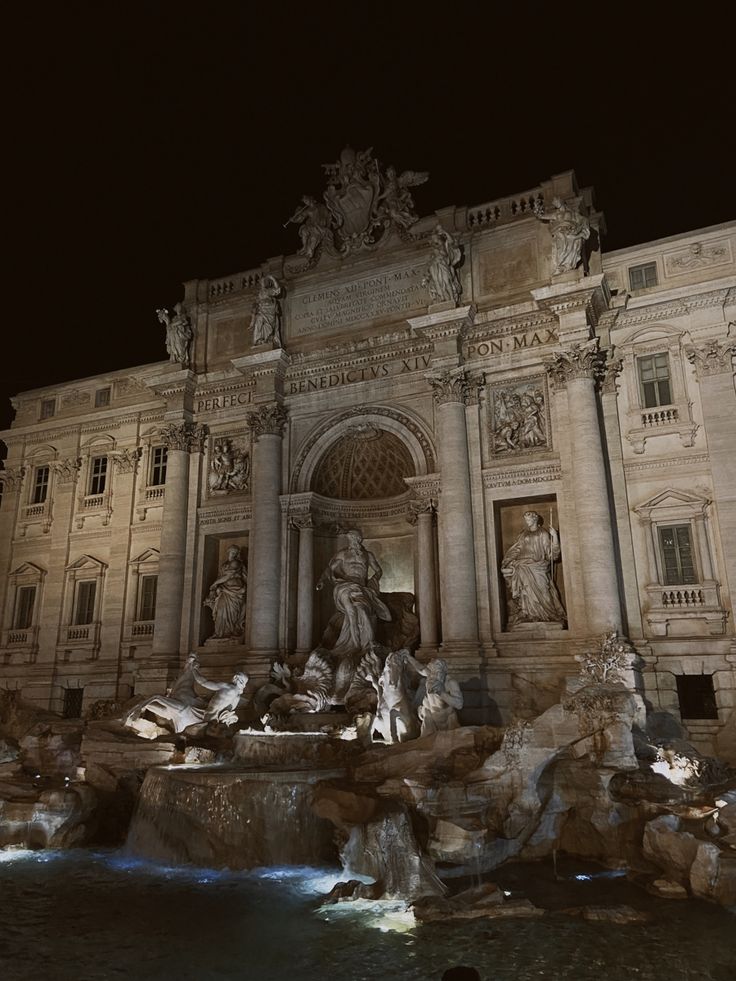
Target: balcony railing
663,416
81,632
142,628
19,637
155,493
93,501
34,511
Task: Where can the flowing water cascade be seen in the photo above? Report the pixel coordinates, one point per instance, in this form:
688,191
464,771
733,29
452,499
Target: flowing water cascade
221,816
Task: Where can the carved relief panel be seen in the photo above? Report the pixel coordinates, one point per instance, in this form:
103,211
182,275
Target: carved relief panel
519,417
229,465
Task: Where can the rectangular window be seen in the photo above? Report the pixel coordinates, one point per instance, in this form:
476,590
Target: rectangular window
158,465
643,277
697,696
98,475
40,485
24,604
73,700
654,380
48,408
84,608
677,555
102,398
147,598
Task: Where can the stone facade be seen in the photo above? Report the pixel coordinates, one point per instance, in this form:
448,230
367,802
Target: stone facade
600,397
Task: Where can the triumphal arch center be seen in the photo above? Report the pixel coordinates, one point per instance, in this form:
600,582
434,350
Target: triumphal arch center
473,434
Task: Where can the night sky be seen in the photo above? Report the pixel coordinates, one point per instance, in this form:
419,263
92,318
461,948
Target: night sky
153,143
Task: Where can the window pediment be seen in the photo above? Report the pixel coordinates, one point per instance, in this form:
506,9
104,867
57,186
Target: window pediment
671,503
87,563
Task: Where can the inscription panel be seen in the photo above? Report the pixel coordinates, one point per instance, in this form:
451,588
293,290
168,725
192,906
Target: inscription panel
394,292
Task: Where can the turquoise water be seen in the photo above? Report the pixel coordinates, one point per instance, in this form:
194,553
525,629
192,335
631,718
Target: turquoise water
90,916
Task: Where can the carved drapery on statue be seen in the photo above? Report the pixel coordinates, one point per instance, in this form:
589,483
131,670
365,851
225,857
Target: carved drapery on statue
226,596
569,230
265,321
179,334
528,568
441,279
355,576
362,204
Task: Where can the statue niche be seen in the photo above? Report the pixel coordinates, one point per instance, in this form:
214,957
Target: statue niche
226,598
529,568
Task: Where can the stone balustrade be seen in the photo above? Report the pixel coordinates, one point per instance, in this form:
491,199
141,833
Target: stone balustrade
505,209
662,416
234,284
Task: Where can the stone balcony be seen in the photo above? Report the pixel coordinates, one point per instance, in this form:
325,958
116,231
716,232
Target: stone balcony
686,610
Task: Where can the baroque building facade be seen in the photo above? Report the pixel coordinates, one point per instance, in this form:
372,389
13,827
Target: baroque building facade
536,440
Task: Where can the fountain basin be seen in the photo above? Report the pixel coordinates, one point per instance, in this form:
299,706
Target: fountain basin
231,817
292,749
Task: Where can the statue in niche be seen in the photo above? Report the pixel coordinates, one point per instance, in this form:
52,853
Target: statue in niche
314,226
441,278
441,698
229,468
528,568
265,320
355,576
184,705
519,420
226,597
179,334
569,230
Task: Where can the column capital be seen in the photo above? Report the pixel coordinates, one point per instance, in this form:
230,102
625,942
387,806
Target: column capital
267,420
712,357
421,506
67,471
184,436
12,477
575,361
611,370
126,460
449,386
303,522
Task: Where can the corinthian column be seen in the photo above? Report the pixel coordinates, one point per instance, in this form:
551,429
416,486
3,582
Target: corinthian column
181,439
305,584
577,369
421,515
264,572
713,366
455,517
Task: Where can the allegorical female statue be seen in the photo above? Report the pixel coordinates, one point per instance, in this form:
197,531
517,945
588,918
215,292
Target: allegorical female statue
528,568
226,597
265,320
179,334
569,230
441,278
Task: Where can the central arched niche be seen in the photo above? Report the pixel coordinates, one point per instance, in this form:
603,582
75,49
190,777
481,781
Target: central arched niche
361,475
364,464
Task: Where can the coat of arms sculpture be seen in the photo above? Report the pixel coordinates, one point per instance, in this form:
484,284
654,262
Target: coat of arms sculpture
363,202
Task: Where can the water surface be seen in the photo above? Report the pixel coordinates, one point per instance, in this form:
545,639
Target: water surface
91,916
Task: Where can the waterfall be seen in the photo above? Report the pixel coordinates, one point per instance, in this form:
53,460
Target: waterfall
227,817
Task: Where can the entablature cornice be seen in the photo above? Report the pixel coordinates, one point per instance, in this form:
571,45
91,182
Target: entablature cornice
356,361
533,473
224,514
486,329
672,308
687,464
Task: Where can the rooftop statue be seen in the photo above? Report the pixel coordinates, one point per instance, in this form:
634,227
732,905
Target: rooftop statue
528,568
179,334
569,230
362,204
441,278
265,320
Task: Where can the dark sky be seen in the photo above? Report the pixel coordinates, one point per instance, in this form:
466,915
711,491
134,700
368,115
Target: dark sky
153,143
